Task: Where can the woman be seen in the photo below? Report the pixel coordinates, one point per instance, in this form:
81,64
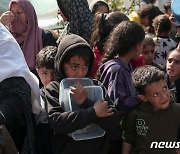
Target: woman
22,21
79,17
19,94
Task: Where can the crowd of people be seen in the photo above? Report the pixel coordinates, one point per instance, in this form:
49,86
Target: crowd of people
134,59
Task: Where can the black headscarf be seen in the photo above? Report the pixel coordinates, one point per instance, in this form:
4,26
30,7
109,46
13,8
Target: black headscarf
79,17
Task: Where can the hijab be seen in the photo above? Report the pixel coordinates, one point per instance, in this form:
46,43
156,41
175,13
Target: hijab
32,42
13,64
79,17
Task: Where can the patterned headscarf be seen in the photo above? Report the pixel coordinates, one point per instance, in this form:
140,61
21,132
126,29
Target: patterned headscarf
33,39
79,16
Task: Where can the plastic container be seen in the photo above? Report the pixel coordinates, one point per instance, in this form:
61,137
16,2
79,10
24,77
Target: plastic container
95,93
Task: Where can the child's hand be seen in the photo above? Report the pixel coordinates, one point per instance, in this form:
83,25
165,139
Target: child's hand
102,109
79,93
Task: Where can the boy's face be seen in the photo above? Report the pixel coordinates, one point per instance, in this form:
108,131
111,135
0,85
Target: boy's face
157,94
173,65
76,67
148,54
46,75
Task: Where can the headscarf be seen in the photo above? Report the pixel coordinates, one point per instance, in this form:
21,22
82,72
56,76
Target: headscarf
33,39
79,17
13,64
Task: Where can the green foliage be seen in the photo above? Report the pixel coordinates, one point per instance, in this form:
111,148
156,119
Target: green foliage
118,5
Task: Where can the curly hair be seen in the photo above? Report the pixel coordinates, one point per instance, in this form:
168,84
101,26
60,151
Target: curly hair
122,39
145,76
46,56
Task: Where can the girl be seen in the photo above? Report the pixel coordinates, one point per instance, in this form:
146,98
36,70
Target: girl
103,25
173,72
74,59
100,6
124,44
164,44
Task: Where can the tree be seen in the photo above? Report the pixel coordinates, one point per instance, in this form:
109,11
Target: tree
125,6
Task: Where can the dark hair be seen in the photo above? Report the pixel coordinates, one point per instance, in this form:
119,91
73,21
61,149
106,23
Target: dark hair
149,41
83,52
145,76
46,56
162,23
151,11
174,50
97,4
122,39
167,7
103,25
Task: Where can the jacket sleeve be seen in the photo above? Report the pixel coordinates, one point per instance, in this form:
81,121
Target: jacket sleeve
121,91
65,122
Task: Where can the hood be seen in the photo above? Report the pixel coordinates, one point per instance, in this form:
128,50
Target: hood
68,43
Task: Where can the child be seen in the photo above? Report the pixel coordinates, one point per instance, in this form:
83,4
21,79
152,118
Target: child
145,16
164,44
103,25
45,69
124,44
148,52
74,59
100,6
173,72
156,119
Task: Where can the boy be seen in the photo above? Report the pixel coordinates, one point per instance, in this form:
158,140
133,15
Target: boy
45,69
156,119
75,59
148,53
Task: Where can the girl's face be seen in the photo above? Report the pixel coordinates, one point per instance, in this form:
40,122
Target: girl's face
173,65
76,67
148,54
17,10
102,9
